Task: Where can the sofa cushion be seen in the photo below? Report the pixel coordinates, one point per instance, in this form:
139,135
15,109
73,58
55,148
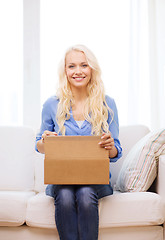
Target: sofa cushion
118,210
39,185
13,207
129,136
139,169
17,150
41,211
131,209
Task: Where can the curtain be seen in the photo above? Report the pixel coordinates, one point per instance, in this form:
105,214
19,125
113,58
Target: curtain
146,96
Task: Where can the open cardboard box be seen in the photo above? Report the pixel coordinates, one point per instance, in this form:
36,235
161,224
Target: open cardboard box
75,160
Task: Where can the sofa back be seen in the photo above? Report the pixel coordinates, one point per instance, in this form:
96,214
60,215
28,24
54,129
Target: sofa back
22,168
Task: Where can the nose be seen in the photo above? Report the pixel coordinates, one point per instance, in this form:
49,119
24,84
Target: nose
78,70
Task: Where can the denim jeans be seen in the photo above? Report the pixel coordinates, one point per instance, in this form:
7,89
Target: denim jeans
76,212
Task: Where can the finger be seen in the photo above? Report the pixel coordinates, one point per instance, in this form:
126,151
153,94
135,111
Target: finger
50,133
106,135
54,133
108,147
107,142
44,135
46,132
42,138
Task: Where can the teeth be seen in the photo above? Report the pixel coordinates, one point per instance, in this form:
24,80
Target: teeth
79,78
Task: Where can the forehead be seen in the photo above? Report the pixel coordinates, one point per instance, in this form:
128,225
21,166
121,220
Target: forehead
75,57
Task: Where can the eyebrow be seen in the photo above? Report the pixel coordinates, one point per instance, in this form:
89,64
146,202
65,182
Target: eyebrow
80,63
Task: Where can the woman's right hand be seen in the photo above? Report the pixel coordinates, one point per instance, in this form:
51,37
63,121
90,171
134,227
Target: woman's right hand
40,143
47,133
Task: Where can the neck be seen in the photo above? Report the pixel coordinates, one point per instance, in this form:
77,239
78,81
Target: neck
79,95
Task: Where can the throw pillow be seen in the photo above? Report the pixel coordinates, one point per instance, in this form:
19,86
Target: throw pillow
139,168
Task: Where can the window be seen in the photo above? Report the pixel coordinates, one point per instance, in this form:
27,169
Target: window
11,62
127,38
103,26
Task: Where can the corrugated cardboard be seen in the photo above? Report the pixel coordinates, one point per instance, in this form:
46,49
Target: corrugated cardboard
75,160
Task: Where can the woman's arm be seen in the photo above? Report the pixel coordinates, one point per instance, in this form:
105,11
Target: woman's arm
47,124
114,131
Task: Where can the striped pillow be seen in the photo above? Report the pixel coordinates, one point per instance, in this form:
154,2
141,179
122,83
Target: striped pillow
139,168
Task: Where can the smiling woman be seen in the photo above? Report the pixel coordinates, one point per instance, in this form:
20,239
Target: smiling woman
80,97
77,70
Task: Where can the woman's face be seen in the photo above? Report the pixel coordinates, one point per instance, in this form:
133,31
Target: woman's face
78,71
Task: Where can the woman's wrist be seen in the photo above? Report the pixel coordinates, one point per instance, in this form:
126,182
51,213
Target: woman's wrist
113,152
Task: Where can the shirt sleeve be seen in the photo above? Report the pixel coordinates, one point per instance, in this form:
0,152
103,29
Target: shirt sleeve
47,122
114,127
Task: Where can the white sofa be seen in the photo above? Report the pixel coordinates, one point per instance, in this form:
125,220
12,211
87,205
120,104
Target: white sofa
27,213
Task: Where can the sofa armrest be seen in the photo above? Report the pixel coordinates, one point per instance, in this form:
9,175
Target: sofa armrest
161,177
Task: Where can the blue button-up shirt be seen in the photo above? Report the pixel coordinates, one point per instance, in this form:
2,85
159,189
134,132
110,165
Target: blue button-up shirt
49,122
71,128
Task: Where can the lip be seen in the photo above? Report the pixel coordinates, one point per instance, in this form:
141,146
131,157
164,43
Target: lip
78,79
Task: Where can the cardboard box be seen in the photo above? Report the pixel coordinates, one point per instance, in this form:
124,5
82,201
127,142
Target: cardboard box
75,160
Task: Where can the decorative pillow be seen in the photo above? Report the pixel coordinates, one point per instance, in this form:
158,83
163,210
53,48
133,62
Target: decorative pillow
139,168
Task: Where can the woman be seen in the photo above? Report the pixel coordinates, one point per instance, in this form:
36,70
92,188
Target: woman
80,108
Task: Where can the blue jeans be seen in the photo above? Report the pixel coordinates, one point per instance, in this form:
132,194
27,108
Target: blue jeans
76,212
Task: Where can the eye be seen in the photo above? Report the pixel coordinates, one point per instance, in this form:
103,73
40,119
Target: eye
71,66
85,65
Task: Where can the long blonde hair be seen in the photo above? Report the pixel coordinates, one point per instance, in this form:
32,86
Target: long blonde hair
96,109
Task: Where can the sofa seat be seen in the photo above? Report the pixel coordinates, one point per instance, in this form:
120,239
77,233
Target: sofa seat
40,211
118,210
13,207
122,216
131,209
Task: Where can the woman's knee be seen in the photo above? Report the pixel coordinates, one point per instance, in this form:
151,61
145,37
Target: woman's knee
86,197
65,197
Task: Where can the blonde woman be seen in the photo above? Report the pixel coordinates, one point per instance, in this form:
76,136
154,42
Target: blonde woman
80,108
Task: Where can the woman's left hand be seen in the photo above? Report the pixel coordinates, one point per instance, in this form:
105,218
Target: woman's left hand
107,142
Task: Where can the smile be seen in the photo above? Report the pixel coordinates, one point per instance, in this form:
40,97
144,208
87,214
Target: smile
78,78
